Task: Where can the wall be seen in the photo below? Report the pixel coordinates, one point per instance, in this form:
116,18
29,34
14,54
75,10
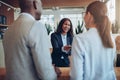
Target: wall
9,14
10,18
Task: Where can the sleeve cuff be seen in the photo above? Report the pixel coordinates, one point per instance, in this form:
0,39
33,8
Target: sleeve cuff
64,50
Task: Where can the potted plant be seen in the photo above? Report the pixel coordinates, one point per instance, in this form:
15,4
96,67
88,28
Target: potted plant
79,28
48,27
115,28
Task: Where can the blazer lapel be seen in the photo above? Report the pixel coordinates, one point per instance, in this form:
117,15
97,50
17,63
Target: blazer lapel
60,40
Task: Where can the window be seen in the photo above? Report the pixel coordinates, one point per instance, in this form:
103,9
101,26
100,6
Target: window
111,10
53,17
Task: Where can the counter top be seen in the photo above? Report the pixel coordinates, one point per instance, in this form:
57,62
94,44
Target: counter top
64,76
65,73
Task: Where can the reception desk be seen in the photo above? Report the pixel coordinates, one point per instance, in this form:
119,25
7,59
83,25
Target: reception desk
117,71
65,73
2,73
64,76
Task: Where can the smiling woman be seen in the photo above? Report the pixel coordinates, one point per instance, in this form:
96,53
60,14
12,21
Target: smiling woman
61,42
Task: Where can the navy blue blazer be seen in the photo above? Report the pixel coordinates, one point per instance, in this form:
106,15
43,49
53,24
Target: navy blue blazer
60,58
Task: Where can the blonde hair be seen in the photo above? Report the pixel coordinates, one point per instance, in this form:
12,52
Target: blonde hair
99,11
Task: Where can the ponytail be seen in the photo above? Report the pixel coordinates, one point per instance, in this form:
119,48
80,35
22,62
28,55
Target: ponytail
103,28
102,22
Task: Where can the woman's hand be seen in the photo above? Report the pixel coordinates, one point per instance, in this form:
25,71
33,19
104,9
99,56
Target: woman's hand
57,70
67,48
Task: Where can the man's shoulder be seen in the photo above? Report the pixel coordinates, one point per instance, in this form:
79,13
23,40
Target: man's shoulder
38,24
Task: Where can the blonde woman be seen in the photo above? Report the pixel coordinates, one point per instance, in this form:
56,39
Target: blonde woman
93,52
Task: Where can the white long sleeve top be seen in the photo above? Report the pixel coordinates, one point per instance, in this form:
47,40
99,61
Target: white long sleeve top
90,59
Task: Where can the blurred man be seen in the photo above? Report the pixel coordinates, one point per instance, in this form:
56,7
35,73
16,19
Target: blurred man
26,47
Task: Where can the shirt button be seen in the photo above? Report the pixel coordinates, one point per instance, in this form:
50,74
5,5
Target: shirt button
62,57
